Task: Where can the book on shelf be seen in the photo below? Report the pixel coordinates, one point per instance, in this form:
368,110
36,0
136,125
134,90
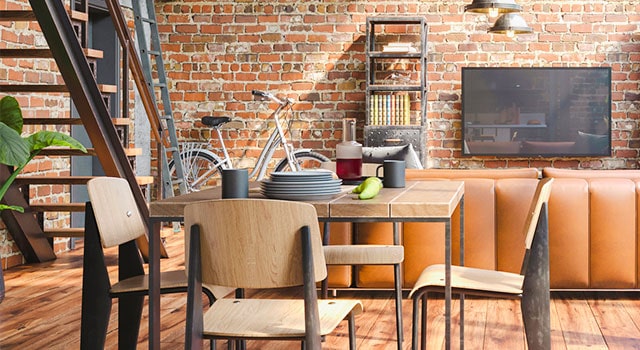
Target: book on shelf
400,48
390,109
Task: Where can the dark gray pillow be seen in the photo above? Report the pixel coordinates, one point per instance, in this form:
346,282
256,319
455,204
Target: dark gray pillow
592,144
404,152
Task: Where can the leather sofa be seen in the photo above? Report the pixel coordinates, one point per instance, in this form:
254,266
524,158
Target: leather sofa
593,229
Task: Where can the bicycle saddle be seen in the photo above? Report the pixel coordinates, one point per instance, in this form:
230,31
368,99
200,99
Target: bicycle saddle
215,121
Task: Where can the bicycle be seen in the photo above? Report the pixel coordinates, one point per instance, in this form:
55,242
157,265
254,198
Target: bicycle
202,166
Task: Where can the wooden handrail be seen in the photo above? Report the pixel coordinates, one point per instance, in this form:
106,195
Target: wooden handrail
124,36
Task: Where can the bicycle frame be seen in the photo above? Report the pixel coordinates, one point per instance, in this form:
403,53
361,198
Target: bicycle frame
276,139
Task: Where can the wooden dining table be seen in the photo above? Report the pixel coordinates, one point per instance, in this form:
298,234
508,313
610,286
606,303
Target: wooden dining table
418,201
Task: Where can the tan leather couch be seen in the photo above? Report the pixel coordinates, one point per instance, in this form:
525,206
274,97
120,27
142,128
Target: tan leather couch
593,229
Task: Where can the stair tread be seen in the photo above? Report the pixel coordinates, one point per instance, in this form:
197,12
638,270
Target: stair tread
43,53
64,232
52,121
59,151
71,207
53,180
69,180
105,88
17,15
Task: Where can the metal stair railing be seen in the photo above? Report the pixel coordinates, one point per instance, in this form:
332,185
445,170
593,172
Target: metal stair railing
146,26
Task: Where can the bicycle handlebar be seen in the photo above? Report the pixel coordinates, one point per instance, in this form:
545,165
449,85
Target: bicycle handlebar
264,94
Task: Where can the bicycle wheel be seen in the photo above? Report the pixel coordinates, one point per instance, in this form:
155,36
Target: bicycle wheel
201,169
306,160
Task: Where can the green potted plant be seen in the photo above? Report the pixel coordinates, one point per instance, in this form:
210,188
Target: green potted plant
16,151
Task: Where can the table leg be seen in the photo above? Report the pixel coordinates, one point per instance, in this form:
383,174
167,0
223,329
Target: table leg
154,285
324,285
461,264
447,286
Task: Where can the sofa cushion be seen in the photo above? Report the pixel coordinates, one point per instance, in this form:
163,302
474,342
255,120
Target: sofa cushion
413,174
569,227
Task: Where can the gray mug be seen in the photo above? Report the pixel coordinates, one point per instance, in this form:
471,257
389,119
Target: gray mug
235,183
393,173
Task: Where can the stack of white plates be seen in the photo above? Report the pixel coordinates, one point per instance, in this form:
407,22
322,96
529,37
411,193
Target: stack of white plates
301,185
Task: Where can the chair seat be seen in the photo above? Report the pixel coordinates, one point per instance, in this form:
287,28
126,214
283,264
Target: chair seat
470,279
363,254
169,280
272,319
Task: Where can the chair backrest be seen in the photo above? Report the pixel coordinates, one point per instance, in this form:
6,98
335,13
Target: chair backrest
540,198
116,212
254,243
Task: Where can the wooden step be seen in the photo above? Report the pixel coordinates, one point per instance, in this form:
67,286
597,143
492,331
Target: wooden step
52,121
28,15
12,88
77,232
69,121
17,15
53,180
121,121
61,152
69,180
132,152
144,180
43,53
56,207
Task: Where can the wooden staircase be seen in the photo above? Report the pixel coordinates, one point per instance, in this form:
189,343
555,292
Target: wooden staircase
65,30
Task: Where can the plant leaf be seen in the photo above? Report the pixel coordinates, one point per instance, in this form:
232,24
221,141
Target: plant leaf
11,114
14,150
11,207
43,139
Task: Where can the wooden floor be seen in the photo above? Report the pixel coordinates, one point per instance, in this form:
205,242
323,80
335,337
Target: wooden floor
42,311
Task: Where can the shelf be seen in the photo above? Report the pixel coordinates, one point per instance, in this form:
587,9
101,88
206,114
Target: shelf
380,87
380,54
396,20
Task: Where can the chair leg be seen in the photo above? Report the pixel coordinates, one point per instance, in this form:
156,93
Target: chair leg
352,332
419,310
423,326
129,316
398,290
96,301
535,304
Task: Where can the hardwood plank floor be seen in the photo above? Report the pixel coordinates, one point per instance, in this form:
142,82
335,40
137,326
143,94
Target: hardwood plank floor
42,311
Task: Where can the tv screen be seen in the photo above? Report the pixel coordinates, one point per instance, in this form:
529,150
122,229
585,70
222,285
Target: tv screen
536,111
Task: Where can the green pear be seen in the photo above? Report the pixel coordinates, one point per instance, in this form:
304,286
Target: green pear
371,186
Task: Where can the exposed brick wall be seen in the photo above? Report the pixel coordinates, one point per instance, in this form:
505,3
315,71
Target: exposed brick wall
313,51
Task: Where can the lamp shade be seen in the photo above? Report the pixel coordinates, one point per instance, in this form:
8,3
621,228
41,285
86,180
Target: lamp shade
510,24
493,7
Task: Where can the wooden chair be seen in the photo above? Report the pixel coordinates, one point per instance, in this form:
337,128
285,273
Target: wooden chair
370,254
256,244
531,285
112,219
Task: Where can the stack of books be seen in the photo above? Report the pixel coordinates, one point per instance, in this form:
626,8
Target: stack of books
390,109
400,48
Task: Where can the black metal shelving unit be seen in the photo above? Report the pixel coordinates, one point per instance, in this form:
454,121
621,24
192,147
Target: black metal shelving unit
392,117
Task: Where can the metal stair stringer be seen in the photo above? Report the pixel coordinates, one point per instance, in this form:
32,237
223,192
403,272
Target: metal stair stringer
87,98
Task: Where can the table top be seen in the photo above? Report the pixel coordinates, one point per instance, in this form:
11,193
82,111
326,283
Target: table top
418,199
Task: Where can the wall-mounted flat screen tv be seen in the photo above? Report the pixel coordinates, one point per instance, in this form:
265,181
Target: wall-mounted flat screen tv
528,112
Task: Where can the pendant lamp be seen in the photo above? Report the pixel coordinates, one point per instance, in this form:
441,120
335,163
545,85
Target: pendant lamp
493,7
510,24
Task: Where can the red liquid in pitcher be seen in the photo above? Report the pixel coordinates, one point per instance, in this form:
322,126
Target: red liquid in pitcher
349,169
